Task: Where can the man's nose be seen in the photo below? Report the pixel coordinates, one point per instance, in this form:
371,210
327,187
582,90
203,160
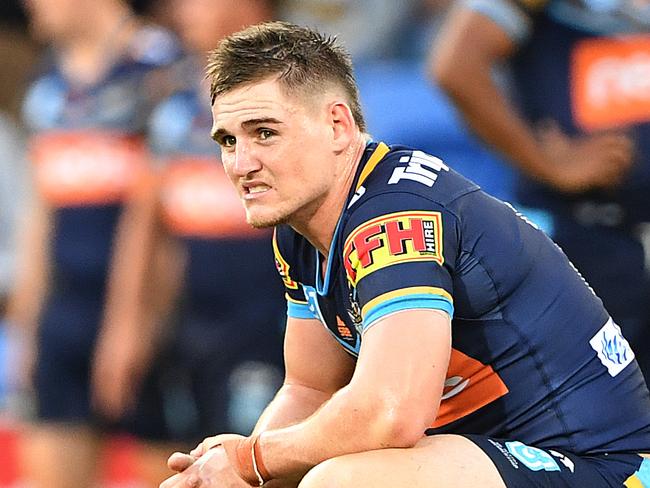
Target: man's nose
245,160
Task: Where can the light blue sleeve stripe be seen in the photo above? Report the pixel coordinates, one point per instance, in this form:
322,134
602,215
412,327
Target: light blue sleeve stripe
505,14
644,472
408,302
300,311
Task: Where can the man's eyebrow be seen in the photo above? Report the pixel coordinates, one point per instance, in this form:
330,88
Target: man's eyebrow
217,133
247,123
260,121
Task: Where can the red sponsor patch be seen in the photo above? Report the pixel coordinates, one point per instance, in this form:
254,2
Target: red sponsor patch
392,239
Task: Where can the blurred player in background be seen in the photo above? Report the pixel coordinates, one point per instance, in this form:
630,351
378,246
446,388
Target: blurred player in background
87,113
578,129
225,362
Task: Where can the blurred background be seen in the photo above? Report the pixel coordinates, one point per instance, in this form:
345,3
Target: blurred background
49,86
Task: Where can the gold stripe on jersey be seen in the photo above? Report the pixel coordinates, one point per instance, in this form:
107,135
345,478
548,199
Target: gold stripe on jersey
380,151
282,265
413,290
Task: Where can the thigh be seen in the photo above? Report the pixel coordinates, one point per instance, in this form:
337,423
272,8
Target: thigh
441,461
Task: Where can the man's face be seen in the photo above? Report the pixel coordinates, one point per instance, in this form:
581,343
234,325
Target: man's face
277,151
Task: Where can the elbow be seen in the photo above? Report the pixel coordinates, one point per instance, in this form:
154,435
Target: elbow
460,76
441,73
445,69
398,427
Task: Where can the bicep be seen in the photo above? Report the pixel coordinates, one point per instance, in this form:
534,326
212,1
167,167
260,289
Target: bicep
404,359
313,359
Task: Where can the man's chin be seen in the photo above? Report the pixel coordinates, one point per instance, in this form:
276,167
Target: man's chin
264,222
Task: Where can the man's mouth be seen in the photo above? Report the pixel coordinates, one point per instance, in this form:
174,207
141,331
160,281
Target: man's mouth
256,189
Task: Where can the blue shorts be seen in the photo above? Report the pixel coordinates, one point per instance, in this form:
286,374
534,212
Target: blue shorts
522,466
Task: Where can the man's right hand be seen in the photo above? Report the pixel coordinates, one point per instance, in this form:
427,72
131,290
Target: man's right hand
180,461
583,163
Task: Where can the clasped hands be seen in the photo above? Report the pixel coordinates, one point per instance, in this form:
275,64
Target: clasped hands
205,466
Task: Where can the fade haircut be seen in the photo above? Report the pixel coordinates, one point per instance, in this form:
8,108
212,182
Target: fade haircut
303,60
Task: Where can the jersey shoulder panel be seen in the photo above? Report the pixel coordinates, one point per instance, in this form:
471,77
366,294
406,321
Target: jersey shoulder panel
294,257
409,171
286,250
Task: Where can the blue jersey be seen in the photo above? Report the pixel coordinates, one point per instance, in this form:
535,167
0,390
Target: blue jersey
88,151
583,64
532,344
201,208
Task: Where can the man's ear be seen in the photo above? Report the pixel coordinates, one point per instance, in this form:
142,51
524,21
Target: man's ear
343,125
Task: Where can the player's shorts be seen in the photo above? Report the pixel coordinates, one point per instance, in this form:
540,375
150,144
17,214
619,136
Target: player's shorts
523,466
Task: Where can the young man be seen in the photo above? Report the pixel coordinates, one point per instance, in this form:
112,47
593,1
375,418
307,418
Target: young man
531,384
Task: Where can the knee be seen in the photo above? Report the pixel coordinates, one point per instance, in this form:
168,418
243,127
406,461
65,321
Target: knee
328,474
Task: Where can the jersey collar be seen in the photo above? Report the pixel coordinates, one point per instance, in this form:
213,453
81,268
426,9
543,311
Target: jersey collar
373,154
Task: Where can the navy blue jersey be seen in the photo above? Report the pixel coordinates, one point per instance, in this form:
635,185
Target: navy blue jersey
532,344
89,154
202,209
583,64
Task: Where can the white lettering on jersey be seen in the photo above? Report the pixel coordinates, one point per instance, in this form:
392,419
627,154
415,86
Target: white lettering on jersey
358,194
422,168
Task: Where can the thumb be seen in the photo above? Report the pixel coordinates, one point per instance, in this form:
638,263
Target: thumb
179,461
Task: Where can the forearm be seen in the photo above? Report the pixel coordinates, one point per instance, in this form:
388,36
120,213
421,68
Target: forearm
349,422
494,119
32,273
292,404
464,56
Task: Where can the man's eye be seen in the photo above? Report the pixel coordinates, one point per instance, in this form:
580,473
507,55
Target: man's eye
228,141
265,134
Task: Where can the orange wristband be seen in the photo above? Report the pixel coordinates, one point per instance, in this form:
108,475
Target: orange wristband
246,457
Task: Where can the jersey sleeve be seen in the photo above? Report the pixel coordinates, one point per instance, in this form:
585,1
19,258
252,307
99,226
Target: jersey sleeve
399,254
515,17
297,304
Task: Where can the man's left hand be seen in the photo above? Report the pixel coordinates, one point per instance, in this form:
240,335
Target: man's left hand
212,469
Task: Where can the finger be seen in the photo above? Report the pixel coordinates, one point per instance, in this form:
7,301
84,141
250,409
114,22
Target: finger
180,461
615,144
171,482
197,452
207,444
193,481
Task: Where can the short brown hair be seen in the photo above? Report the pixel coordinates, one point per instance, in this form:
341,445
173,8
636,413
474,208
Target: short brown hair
303,60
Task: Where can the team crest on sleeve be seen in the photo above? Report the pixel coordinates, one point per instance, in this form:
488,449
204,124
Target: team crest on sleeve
282,265
393,239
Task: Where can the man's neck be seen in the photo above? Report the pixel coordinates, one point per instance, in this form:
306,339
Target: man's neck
319,229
